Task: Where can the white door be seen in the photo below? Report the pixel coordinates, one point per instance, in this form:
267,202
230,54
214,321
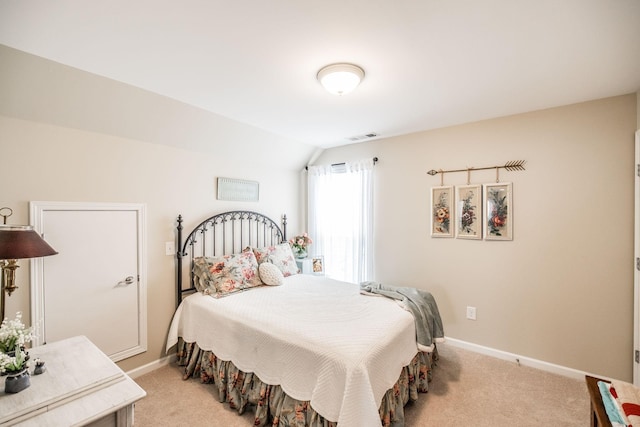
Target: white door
94,286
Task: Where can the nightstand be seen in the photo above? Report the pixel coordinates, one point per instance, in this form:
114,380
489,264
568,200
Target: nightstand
313,265
305,266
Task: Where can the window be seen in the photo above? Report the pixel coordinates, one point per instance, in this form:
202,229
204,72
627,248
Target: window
341,218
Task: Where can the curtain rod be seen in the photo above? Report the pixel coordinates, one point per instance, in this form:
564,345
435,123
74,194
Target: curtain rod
375,160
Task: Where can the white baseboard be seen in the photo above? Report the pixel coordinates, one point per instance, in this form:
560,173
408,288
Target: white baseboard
522,360
152,366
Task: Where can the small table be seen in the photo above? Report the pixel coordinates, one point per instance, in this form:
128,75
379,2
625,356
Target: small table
304,265
81,386
314,265
599,415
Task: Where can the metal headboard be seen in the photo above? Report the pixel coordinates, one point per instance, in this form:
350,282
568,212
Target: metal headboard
222,234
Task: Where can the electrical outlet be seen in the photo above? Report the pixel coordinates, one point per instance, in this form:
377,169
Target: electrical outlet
169,248
471,313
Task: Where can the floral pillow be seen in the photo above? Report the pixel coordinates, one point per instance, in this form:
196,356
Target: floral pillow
224,275
280,256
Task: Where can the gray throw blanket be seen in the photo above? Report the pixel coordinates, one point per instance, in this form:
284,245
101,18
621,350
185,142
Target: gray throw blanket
419,303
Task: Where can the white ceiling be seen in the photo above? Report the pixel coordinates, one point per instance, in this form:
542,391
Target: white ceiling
428,63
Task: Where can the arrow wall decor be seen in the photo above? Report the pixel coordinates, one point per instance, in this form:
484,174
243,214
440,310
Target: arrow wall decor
512,165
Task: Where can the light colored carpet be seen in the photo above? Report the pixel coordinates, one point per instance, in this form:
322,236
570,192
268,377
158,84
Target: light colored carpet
468,389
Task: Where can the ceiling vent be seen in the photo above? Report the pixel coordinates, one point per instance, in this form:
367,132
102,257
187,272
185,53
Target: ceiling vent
362,137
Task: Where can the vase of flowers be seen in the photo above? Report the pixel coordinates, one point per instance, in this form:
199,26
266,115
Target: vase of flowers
16,370
14,335
299,245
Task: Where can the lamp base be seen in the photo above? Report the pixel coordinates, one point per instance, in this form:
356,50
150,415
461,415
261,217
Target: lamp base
9,268
8,284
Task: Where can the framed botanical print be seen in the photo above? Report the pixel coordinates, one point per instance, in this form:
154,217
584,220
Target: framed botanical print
442,211
469,212
498,211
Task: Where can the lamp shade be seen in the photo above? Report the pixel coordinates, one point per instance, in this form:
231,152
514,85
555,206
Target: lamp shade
340,78
22,241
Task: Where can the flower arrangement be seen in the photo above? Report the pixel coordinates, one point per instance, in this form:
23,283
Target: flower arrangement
12,364
299,245
441,214
13,337
14,333
498,217
468,214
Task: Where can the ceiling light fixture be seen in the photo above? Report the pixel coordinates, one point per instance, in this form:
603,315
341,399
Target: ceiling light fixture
339,79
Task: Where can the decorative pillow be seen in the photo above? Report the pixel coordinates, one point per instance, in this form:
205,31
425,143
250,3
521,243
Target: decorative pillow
270,274
279,255
200,273
224,275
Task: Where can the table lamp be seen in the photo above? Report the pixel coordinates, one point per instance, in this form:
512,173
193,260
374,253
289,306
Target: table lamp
17,242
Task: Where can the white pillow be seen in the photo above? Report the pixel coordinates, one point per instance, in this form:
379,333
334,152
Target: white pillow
270,274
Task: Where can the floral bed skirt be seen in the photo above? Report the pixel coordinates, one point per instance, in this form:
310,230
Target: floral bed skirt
274,407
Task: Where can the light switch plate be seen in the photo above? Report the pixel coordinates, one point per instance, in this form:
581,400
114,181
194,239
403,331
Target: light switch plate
169,248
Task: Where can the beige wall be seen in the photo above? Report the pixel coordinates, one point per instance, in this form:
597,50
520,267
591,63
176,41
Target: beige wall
562,290
52,149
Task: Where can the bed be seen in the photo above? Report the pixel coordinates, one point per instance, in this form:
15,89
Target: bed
302,350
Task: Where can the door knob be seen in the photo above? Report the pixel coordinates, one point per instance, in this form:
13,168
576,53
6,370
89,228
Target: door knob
127,281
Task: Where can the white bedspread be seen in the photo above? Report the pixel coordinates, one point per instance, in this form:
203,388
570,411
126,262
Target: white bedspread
318,338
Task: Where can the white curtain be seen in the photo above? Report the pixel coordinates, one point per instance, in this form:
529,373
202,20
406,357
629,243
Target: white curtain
341,219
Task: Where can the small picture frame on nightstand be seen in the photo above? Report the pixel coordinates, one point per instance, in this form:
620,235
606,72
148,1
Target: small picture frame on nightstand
317,265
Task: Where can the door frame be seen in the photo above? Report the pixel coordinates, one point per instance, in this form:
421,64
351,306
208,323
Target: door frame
636,268
36,217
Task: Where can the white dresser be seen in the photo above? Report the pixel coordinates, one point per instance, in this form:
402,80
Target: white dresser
81,386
